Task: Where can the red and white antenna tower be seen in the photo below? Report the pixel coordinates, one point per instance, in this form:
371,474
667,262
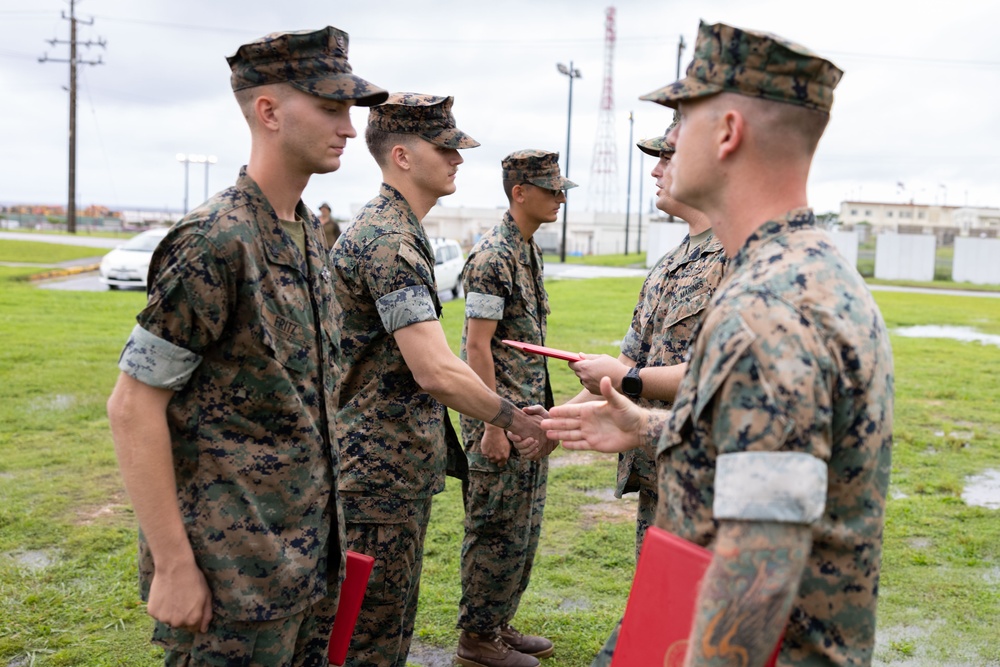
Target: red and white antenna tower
604,168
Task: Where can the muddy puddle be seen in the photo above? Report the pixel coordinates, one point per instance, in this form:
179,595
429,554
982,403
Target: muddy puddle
983,490
964,334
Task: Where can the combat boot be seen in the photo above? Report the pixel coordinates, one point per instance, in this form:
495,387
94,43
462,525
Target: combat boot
533,645
489,650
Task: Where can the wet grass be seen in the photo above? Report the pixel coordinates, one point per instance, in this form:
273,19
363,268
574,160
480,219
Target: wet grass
61,498
42,253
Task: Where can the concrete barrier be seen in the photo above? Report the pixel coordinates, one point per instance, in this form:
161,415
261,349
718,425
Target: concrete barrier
976,261
904,256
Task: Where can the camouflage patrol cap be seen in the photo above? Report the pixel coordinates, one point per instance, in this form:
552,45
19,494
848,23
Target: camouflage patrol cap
756,64
539,168
427,116
313,61
658,146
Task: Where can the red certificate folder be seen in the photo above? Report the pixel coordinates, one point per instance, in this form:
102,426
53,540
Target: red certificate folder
545,351
352,592
660,610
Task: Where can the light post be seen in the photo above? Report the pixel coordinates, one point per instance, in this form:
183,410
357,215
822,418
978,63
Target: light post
628,187
638,242
186,159
197,158
572,73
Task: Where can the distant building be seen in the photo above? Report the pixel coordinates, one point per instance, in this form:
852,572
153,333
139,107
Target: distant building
587,233
946,222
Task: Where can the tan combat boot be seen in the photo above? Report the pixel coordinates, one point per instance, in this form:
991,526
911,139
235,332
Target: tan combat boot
533,645
489,650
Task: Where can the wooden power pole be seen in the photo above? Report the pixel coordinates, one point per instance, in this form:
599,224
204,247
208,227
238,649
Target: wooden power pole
73,62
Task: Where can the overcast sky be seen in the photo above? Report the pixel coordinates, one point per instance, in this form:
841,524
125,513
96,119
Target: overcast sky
916,116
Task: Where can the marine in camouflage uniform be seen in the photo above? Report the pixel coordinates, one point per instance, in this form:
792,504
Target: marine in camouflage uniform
399,374
506,300
671,303
777,452
224,415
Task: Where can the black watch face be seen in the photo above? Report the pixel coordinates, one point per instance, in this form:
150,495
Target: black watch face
631,385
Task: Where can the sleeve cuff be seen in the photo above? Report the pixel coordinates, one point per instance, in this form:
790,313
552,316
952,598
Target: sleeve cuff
479,306
406,306
784,487
632,345
156,362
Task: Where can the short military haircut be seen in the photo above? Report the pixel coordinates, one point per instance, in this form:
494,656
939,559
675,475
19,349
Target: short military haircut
380,143
245,97
508,189
785,128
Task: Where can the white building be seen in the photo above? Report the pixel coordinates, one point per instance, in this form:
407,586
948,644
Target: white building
945,222
587,233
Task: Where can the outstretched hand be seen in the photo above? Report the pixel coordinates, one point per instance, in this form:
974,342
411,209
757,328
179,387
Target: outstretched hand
611,425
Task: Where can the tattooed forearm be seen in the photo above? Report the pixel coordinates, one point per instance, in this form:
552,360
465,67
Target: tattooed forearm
505,416
748,592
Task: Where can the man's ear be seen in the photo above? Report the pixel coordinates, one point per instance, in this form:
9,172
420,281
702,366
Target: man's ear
732,132
265,108
517,193
400,156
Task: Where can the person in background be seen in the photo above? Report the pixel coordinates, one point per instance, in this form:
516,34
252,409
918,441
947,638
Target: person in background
505,298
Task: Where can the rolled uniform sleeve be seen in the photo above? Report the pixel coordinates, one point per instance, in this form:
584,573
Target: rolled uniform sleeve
765,385
486,282
156,362
401,293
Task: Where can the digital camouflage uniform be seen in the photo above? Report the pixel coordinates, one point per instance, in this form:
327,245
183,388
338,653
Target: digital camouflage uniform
785,413
502,280
393,449
241,324
242,327
670,306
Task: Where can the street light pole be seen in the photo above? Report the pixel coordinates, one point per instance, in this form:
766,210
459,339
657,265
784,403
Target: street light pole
209,160
186,159
572,73
638,242
628,188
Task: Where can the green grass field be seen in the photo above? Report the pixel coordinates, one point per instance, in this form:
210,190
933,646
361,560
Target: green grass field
68,592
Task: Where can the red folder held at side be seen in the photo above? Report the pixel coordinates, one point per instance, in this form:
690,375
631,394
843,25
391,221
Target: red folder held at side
660,610
352,593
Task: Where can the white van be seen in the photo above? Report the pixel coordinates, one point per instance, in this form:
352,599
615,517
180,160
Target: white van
448,263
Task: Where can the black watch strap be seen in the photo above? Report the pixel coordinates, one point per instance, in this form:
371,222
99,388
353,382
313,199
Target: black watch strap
632,383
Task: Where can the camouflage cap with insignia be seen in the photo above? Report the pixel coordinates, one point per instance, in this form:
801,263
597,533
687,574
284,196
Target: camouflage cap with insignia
536,167
658,146
756,64
427,116
313,61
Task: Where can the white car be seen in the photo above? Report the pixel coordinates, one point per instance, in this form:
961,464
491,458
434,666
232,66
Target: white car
128,264
448,263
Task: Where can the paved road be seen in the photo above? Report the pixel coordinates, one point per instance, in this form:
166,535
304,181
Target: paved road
66,239
555,270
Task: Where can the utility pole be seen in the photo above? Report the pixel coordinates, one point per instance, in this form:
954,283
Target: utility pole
680,54
628,189
73,62
638,243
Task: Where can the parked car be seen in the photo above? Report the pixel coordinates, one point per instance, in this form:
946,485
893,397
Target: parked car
128,264
448,263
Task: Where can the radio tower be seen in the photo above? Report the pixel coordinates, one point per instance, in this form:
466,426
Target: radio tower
604,168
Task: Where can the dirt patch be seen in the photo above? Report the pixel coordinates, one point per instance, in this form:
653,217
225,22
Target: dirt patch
983,490
610,509
429,656
577,459
56,403
919,542
908,646
116,508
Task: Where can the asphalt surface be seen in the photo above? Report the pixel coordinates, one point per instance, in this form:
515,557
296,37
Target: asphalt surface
89,282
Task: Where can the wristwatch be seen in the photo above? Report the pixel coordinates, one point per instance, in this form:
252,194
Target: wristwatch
632,383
